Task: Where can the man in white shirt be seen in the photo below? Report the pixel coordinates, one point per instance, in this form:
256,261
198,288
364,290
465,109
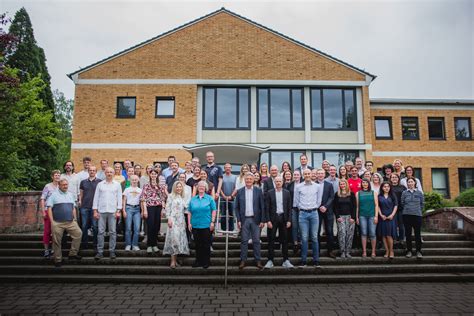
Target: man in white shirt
107,207
306,199
84,174
104,163
72,179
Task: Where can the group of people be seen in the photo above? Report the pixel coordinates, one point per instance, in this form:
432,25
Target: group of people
293,204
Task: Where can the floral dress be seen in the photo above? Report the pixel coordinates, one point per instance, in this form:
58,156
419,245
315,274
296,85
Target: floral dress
176,241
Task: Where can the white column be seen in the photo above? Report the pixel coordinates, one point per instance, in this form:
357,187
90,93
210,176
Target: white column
360,116
253,115
199,117
307,115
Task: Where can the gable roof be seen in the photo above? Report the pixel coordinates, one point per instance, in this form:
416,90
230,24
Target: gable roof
208,16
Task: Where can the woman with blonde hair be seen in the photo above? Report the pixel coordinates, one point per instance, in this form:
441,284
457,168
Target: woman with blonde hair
345,209
398,166
240,181
264,172
145,179
176,241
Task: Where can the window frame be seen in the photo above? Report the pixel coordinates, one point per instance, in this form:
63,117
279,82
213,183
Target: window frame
356,152
417,128
165,98
390,127
446,174
444,128
117,115
460,180
469,125
293,157
302,128
322,128
215,128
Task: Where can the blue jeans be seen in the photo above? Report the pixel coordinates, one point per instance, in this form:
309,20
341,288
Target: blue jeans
367,226
133,216
88,221
309,224
295,233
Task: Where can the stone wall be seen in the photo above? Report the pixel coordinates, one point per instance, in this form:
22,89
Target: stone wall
19,212
446,220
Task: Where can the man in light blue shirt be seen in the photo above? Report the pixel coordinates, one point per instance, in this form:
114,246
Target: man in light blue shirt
307,200
62,212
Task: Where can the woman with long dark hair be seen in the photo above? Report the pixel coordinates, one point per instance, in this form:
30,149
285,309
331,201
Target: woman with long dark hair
387,227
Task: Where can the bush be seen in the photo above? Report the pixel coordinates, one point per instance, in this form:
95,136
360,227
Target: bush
466,198
433,201
448,203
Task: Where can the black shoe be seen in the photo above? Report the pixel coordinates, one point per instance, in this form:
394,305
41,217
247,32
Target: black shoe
196,264
316,264
58,264
113,256
98,256
205,266
76,257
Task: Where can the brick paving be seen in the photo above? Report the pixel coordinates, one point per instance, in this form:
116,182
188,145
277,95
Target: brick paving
320,299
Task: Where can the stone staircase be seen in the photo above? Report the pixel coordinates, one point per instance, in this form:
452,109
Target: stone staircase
447,257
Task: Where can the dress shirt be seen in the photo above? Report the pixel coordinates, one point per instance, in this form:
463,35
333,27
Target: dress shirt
82,175
321,188
73,184
334,181
249,202
279,201
307,196
108,197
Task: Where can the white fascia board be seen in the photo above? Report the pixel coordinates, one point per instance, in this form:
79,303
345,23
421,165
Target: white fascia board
423,153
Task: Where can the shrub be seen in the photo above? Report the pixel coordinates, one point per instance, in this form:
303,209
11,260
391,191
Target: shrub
448,203
433,200
466,198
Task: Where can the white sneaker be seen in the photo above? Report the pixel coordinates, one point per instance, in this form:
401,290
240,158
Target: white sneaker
269,265
89,232
136,248
149,250
287,264
250,241
156,249
212,249
142,233
128,248
144,240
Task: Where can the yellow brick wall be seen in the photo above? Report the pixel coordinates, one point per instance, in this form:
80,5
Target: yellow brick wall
222,47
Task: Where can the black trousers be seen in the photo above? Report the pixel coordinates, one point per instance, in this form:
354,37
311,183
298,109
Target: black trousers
412,222
202,240
153,223
328,219
278,225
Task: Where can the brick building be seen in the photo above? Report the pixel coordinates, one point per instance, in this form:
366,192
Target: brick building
249,93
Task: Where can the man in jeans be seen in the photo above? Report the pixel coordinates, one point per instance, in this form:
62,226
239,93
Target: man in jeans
86,197
306,199
107,207
62,212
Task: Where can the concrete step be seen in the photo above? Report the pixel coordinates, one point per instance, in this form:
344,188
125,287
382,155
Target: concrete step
220,262
240,279
38,236
218,245
236,252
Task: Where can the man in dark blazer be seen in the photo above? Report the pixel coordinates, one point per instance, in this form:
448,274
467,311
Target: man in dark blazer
326,212
278,209
249,208
303,164
268,184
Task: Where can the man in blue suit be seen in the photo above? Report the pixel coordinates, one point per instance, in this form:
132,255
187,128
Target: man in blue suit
249,209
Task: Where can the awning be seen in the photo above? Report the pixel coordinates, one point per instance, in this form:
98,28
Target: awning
233,153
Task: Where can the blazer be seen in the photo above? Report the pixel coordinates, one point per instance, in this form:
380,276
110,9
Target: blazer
267,185
271,207
328,196
258,205
299,169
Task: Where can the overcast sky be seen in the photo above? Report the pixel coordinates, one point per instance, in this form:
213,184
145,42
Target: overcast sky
418,49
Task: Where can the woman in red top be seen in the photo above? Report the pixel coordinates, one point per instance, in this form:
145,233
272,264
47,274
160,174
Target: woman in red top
354,181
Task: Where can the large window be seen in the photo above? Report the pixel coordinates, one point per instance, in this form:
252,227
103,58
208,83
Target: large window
280,108
336,158
410,128
164,107
466,178
383,127
333,109
126,107
226,108
462,127
440,182
278,157
436,128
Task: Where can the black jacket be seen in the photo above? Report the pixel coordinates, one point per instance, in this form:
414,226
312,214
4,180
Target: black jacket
271,208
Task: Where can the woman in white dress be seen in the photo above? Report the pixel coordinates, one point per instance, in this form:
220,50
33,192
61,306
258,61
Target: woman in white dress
176,242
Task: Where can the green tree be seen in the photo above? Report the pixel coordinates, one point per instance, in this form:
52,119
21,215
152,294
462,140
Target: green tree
28,57
63,112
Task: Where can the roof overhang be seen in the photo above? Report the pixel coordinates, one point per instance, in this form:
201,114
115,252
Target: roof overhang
233,153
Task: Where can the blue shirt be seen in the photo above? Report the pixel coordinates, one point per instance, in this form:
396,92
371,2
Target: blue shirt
62,204
201,211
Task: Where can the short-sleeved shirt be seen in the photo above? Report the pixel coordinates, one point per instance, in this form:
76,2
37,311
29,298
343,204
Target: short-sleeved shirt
62,204
228,184
355,185
133,195
214,172
88,190
47,191
201,211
